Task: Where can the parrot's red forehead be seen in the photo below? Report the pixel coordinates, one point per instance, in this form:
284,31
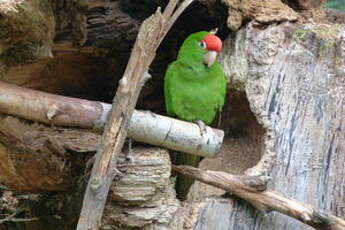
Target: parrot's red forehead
213,42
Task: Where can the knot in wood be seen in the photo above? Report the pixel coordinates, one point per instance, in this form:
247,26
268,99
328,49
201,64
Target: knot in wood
95,184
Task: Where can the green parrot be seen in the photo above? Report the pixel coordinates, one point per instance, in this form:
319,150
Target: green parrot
194,90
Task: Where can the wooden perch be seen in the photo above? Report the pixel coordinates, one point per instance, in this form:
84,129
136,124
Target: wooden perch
151,33
144,127
251,189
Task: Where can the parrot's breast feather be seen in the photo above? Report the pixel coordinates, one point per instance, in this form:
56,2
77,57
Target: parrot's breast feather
194,95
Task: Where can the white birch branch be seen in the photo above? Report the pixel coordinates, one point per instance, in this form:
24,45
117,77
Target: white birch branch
144,127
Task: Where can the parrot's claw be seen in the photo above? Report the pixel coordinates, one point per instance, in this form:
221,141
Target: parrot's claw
202,127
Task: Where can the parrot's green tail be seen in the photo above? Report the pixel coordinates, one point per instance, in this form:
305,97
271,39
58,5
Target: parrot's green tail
183,183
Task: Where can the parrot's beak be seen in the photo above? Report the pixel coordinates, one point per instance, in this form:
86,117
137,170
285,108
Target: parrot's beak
210,57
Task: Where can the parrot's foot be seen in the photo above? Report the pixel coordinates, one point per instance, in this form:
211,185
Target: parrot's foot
129,154
202,127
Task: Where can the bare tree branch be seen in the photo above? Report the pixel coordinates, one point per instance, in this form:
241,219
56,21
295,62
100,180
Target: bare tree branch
144,127
150,35
251,189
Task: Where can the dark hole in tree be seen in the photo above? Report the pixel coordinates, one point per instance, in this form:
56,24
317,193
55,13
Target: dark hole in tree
243,142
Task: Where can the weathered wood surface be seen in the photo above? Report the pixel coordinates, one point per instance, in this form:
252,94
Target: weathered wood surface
266,11
36,158
99,23
308,4
144,197
33,54
293,77
26,25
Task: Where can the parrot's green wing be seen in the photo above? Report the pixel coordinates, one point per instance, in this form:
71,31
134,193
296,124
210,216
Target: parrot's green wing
169,76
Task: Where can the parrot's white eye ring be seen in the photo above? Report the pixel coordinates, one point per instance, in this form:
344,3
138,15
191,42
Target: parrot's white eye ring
202,44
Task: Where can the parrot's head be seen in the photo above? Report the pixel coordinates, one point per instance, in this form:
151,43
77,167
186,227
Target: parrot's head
202,47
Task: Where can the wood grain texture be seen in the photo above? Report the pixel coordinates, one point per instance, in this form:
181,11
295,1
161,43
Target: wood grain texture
35,158
144,198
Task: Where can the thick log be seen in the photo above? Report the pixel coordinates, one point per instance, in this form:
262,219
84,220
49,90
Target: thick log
144,127
246,187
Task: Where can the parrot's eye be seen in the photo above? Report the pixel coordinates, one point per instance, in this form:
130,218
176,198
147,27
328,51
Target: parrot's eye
202,44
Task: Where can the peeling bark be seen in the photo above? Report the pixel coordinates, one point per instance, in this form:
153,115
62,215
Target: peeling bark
144,198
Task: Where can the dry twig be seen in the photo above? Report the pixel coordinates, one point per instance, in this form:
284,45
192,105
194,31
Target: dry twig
11,217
